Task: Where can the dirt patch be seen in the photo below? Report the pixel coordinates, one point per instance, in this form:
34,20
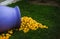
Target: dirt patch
51,3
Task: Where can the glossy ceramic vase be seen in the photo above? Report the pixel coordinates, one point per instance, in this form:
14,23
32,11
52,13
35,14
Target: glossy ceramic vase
9,18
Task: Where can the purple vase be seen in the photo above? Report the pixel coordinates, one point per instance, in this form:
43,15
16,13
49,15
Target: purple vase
9,18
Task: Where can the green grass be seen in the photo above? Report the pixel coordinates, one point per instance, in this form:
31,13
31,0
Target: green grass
47,15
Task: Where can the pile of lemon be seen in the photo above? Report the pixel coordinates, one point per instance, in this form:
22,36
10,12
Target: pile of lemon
7,35
27,23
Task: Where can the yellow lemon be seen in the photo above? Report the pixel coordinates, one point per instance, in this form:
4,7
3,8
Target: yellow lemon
3,37
26,30
8,34
0,37
11,31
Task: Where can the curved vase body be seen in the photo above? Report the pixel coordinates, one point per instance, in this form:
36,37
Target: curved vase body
9,17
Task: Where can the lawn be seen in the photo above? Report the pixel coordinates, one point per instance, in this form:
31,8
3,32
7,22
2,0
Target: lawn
47,15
